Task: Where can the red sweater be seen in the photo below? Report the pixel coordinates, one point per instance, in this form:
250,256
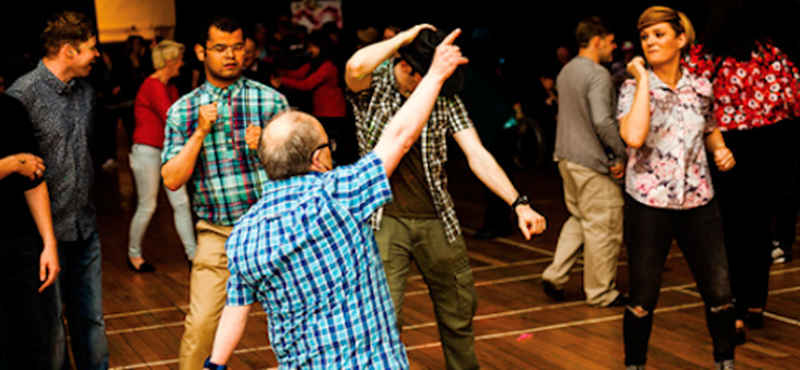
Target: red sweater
327,96
150,110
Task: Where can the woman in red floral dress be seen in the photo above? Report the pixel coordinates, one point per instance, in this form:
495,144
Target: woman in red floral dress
756,104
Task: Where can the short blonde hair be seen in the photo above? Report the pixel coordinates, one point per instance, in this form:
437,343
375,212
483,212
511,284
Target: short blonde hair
164,51
679,22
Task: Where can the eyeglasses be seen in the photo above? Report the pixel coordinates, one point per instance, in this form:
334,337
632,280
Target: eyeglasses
329,145
222,48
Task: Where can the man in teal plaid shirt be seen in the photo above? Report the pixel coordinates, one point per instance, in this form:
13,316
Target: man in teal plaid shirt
210,142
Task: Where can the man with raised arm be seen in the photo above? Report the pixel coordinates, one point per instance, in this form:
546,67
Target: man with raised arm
306,250
421,223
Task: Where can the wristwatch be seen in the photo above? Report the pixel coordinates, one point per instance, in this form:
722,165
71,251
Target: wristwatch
522,199
212,366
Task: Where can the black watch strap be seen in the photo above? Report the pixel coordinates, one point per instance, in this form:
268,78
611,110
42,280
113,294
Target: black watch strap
522,199
212,366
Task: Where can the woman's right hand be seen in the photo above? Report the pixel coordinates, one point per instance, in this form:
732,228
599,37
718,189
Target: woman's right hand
29,165
636,68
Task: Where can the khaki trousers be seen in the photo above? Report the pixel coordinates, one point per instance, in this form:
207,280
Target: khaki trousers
445,268
595,203
206,294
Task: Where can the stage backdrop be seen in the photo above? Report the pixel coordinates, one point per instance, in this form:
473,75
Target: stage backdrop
118,19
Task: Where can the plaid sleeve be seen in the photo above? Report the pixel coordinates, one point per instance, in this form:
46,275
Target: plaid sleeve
239,291
273,104
175,134
625,101
363,186
459,119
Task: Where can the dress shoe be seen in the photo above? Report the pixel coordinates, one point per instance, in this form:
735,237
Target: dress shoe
754,320
551,291
144,267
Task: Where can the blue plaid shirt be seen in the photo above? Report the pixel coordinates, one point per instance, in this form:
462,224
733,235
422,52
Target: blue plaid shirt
228,176
306,252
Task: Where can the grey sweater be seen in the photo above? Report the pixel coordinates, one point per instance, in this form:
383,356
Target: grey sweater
586,122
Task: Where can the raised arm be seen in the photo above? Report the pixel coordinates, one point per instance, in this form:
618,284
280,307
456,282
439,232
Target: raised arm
178,170
634,126
360,66
406,125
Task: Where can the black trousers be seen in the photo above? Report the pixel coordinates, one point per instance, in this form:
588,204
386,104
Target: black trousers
748,197
24,328
648,235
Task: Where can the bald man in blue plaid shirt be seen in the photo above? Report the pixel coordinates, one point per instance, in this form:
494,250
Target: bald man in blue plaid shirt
306,251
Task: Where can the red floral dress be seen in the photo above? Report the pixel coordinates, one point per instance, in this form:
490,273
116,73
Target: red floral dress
753,93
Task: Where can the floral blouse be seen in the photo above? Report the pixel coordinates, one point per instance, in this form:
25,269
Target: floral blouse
753,93
671,169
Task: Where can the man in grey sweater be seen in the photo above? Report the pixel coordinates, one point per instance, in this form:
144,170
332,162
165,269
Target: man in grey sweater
590,155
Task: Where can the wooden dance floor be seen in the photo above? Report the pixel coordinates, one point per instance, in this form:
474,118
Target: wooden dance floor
516,327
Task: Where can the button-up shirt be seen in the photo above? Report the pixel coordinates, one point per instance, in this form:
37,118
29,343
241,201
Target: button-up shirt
375,106
670,170
306,252
228,176
62,115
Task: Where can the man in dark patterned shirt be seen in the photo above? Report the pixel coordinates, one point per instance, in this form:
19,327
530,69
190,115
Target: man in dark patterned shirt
60,105
421,223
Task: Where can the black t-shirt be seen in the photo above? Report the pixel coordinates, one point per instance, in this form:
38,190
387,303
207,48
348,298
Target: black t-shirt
16,136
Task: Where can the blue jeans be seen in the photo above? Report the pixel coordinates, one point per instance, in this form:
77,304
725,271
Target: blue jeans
80,300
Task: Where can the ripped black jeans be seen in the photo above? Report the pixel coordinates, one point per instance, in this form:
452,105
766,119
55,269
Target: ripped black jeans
648,235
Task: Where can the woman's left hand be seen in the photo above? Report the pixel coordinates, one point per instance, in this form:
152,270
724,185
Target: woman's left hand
723,157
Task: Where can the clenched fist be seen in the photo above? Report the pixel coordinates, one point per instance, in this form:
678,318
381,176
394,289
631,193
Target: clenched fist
208,116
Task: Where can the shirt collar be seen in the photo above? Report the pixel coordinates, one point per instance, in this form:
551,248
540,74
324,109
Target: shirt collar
51,80
219,93
656,83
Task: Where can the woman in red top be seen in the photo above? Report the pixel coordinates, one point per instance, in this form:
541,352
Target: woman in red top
150,110
756,102
321,77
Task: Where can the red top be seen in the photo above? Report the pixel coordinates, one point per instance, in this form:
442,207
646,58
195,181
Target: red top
327,96
150,110
753,93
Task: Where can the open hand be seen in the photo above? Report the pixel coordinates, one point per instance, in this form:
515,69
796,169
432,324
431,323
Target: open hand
48,266
410,34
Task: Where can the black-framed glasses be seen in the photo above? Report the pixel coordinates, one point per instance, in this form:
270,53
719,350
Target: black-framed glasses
329,145
222,48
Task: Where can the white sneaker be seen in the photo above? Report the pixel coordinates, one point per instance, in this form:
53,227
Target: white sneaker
778,254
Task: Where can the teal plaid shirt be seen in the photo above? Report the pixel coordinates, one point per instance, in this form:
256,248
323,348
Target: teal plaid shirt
228,177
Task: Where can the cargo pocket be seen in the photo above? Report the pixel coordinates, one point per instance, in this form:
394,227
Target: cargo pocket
467,296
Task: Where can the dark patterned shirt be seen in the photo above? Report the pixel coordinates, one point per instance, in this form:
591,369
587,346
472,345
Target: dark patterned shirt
375,106
62,115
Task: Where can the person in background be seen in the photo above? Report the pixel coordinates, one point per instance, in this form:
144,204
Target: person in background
154,98
321,77
586,132
756,90
666,118
28,248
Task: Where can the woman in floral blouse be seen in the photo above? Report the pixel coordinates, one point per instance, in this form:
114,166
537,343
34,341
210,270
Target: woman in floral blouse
666,120
756,88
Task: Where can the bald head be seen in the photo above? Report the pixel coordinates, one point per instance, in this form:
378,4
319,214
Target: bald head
288,143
